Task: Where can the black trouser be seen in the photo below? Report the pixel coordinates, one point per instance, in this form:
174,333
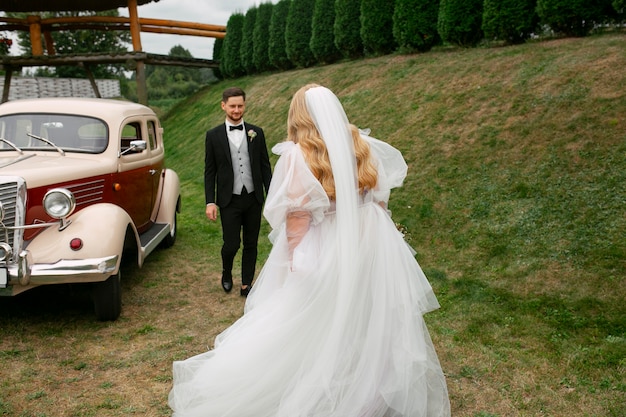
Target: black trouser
241,217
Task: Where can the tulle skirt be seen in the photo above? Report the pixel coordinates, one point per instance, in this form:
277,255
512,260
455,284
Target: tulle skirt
305,348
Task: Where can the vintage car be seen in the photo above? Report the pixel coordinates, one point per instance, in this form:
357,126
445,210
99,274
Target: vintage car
82,183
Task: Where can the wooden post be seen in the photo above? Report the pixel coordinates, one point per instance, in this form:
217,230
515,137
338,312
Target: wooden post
140,71
7,83
49,42
34,23
92,79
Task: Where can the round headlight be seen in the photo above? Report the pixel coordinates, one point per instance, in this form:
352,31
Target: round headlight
59,203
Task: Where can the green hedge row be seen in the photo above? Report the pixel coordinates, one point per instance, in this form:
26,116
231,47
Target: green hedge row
301,33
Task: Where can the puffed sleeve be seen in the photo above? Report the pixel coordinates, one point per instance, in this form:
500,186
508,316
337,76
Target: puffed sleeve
392,168
293,189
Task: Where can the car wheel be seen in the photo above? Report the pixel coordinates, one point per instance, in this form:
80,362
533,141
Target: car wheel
107,298
170,239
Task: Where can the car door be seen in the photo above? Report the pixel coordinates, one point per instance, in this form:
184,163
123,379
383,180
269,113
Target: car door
134,181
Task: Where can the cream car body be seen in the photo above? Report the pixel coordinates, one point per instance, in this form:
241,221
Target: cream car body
82,183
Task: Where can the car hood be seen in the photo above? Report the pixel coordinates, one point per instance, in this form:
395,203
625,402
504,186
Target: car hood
44,169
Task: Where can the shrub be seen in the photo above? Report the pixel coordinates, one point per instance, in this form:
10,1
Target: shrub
460,21
298,32
231,66
377,26
512,21
247,41
415,24
322,32
574,17
277,49
260,36
347,28
218,47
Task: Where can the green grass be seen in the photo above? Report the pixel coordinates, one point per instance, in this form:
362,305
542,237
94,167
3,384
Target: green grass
515,203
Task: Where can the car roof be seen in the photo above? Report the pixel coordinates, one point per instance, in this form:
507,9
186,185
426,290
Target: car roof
97,107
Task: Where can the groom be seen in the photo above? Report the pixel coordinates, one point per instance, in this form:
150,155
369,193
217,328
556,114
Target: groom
236,171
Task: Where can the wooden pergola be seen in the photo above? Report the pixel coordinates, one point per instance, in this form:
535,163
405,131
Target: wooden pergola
137,59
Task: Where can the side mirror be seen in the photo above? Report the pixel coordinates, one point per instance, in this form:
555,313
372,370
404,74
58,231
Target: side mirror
135,146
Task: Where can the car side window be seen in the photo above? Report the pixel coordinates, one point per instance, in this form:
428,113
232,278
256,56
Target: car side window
152,135
130,132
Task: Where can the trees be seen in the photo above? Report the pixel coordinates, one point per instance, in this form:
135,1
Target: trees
512,21
377,26
322,32
230,65
260,36
80,41
277,48
347,28
298,32
246,50
460,21
573,17
415,24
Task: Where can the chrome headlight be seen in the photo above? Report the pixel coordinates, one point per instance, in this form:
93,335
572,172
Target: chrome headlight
59,203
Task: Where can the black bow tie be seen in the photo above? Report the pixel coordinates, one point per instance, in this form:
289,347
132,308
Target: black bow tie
238,127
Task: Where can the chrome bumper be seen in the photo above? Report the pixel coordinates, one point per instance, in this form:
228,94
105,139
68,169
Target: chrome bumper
24,272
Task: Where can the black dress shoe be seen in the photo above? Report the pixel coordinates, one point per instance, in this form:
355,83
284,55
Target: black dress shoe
227,282
245,291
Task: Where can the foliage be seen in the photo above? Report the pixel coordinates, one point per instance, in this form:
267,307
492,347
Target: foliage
298,33
415,24
218,47
573,17
377,26
230,65
460,22
261,37
5,45
277,48
347,28
512,21
322,32
247,41
79,41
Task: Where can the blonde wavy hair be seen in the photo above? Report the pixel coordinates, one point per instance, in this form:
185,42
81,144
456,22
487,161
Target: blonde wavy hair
301,130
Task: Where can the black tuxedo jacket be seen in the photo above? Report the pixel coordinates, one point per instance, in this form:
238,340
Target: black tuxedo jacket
218,169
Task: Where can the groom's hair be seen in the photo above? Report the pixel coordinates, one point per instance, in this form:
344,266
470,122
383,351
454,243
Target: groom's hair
233,92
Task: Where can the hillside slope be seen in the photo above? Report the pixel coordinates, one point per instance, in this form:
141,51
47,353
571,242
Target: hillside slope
515,203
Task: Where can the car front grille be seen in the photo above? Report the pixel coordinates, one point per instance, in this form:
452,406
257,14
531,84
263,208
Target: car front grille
13,201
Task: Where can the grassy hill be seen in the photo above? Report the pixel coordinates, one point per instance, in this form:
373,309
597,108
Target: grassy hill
515,203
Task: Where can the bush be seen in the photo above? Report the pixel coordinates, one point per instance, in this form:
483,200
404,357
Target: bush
231,66
460,22
347,28
322,32
574,17
298,33
218,47
260,36
377,26
277,49
247,41
512,21
415,24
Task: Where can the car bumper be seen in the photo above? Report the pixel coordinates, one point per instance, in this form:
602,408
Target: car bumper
24,272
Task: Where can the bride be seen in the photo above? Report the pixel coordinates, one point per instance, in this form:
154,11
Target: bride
334,325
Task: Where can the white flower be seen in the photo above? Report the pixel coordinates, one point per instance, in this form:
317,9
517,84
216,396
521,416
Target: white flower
251,134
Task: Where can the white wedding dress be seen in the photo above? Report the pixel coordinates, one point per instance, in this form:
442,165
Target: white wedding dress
326,332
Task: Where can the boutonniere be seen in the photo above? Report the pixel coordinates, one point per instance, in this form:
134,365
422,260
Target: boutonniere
251,134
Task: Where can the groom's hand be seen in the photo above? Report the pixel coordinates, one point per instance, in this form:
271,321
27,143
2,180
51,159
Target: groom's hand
211,212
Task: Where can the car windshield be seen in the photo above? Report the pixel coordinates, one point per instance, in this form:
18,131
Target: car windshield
51,132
